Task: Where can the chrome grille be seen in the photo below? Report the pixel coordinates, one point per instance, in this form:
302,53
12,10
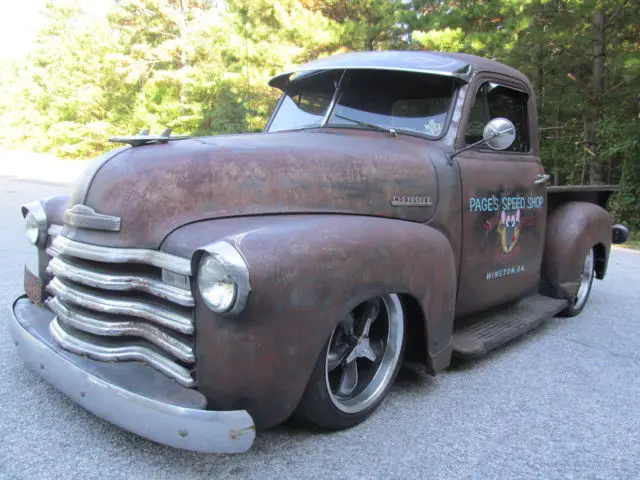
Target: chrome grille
112,304
111,279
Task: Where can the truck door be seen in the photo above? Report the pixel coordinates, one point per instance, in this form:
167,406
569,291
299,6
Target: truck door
503,200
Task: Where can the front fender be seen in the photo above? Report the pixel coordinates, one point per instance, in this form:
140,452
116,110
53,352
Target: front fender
55,207
50,209
572,229
306,273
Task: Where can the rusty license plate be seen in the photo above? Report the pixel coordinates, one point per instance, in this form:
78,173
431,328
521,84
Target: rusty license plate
33,286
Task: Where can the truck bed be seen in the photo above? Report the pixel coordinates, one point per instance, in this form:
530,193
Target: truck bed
598,194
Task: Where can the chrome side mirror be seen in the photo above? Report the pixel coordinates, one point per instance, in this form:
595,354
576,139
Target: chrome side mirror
499,133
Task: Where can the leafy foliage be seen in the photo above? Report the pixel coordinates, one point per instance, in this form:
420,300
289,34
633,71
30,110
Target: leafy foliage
201,67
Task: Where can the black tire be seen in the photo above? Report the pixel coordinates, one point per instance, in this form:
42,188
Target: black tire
577,304
321,405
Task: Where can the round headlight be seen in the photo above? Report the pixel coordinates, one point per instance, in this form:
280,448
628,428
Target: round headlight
216,286
35,222
31,228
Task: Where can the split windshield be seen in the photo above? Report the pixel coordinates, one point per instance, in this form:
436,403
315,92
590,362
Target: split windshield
404,101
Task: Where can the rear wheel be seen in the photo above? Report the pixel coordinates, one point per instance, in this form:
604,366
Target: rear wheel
357,365
586,281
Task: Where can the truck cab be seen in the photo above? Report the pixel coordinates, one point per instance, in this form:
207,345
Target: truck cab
395,211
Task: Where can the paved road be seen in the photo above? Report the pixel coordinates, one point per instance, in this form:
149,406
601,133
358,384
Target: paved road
564,402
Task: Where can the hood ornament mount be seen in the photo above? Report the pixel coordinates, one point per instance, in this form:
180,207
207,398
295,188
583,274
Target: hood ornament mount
82,216
143,138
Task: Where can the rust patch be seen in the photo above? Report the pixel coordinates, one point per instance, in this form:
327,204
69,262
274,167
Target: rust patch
237,434
573,228
327,171
503,228
55,207
307,272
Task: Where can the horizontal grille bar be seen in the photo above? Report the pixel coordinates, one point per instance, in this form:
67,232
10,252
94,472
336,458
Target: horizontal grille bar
100,324
110,353
123,304
63,268
54,230
63,246
108,303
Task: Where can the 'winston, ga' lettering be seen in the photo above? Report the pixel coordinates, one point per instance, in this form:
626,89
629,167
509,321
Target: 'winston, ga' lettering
505,272
494,204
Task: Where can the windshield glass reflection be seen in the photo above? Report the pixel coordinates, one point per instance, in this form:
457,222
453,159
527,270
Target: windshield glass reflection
404,101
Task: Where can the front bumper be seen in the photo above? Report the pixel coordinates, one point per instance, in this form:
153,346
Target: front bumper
131,395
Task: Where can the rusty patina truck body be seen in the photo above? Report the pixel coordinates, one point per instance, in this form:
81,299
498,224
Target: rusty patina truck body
395,211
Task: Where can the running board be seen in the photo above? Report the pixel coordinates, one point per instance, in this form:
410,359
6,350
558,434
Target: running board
477,335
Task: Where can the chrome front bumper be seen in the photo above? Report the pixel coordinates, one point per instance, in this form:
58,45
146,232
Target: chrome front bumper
131,395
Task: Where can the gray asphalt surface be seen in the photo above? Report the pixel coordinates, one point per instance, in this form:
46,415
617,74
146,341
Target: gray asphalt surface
563,402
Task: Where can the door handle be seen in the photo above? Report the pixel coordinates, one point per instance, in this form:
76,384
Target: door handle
542,178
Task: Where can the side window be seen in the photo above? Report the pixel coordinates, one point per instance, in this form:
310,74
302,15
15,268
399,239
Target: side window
493,101
478,117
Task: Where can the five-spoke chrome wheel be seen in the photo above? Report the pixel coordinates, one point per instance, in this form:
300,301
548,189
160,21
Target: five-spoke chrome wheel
358,364
586,280
363,353
584,288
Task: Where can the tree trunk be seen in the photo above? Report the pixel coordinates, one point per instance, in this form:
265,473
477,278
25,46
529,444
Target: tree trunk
183,54
597,175
370,44
540,79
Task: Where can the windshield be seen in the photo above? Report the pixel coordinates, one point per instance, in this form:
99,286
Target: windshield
404,101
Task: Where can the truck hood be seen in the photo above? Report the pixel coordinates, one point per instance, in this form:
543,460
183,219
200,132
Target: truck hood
155,189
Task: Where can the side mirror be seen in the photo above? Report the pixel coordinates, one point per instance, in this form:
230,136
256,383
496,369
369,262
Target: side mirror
499,133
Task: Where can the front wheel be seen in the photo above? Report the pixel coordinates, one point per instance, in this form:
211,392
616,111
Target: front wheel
586,281
357,365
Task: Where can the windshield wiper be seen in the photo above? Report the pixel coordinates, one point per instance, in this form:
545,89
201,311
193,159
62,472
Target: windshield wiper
391,131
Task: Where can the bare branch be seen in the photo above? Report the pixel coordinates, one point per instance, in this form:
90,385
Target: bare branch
615,13
585,89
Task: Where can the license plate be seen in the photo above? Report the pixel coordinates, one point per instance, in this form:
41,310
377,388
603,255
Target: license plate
33,286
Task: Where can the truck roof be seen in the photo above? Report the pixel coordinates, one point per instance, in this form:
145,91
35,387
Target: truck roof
459,65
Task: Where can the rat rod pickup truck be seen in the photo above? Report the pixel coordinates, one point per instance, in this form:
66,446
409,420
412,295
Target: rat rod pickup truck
395,211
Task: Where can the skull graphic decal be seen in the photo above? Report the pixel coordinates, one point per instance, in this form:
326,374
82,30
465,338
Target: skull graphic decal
509,230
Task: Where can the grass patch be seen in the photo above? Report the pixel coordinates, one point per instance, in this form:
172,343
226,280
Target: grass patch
634,241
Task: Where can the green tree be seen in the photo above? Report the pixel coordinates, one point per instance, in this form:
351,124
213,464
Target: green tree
202,66
366,24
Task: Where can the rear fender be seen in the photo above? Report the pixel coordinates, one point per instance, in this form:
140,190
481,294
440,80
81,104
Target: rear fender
305,275
572,229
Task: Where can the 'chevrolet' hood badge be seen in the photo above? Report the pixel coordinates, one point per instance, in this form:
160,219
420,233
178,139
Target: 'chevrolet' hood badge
411,201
